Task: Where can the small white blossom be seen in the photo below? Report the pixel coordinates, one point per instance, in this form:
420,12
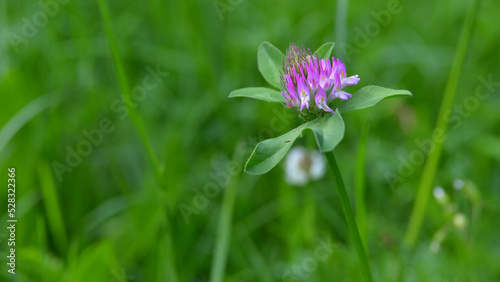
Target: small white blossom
458,184
318,167
302,166
439,193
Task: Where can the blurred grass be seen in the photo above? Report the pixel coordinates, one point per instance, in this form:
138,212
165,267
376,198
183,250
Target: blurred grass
432,162
24,116
360,182
223,235
111,212
52,206
166,228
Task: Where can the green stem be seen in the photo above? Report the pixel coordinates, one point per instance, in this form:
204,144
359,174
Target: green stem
359,183
349,215
432,162
341,20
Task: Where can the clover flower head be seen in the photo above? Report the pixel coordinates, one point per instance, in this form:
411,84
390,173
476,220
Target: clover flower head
310,83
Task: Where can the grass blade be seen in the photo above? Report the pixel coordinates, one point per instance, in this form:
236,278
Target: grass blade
125,90
141,129
432,162
52,206
27,113
359,183
223,237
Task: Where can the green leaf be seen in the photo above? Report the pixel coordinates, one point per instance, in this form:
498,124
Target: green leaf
325,50
328,131
259,93
26,114
269,59
368,96
268,153
52,205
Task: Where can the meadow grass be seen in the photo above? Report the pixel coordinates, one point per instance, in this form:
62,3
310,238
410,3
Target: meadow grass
115,216
431,166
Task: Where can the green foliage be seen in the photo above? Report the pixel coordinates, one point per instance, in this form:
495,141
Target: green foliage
325,50
270,61
369,96
269,152
110,209
328,130
259,93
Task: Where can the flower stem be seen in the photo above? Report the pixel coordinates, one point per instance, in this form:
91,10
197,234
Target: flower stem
349,215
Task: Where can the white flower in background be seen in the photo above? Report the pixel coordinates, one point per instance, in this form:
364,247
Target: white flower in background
458,184
441,197
439,193
302,166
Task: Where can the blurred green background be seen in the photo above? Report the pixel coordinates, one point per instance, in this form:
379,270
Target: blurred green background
119,212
